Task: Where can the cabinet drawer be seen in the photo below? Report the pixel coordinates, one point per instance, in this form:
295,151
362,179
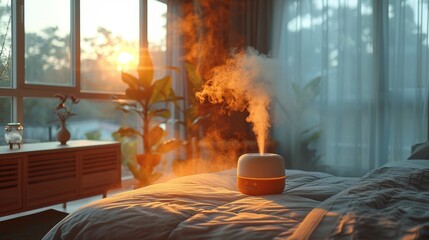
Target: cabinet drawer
100,170
10,184
51,178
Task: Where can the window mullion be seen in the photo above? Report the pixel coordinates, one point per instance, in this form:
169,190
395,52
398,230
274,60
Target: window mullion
143,25
18,49
75,44
18,43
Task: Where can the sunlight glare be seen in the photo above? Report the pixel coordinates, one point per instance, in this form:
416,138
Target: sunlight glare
125,61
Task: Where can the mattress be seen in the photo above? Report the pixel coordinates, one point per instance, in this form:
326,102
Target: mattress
313,205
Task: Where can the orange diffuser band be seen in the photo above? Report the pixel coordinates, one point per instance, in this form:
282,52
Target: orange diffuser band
260,186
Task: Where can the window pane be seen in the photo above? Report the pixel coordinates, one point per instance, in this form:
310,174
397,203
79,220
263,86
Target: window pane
5,116
39,125
109,43
157,35
94,119
5,44
47,42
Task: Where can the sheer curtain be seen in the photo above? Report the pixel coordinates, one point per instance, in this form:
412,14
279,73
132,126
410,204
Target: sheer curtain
354,88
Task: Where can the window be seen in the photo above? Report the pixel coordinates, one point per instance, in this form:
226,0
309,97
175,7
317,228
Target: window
108,44
47,42
157,35
55,51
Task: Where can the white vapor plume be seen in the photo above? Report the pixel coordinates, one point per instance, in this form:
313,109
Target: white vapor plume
242,83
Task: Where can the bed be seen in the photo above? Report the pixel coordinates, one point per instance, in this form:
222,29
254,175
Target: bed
390,202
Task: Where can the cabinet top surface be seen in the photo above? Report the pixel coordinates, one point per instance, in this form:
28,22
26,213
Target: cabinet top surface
43,146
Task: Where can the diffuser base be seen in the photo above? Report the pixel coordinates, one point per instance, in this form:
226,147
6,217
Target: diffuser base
261,186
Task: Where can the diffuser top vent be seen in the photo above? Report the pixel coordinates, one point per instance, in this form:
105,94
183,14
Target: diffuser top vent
255,165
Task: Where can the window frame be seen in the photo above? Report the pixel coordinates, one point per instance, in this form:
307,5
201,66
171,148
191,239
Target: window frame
20,90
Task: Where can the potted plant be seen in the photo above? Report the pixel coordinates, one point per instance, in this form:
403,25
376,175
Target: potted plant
145,96
191,123
193,116
63,112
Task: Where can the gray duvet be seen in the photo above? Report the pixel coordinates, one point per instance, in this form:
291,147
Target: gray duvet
391,202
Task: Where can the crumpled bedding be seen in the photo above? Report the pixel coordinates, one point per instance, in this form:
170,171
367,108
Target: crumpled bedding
203,206
391,202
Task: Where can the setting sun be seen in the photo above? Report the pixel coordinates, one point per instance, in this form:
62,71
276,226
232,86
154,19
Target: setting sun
125,61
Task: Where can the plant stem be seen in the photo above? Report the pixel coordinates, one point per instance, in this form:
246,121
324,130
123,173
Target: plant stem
146,144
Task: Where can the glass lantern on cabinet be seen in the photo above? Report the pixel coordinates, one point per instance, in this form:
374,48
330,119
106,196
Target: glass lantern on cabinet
13,134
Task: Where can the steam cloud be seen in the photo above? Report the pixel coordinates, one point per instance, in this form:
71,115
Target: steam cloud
242,84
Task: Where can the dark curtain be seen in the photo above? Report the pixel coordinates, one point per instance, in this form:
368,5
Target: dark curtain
207,31
204,33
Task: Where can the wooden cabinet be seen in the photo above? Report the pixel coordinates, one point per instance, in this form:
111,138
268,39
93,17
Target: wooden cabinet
43,174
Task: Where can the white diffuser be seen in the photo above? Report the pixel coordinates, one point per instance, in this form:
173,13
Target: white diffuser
261,174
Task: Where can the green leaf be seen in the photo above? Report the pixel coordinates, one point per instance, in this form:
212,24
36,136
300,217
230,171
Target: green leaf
309,135
155,135
161,90
130,80
163,113
126,102
194,76
312,89
198,119
308,93
169,145
148,161
134,94
311,138
134,170
127,105
310,129
127,132
125,109
174,99
145,69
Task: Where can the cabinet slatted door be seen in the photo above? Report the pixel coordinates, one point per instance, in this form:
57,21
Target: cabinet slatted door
51,178
43,174
100,169
10,184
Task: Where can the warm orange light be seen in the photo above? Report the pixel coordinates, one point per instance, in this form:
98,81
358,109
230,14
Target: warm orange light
124,60
261,186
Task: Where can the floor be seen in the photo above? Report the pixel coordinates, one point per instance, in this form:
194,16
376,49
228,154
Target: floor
70,206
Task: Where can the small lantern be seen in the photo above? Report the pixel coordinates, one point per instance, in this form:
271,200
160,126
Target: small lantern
13,134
